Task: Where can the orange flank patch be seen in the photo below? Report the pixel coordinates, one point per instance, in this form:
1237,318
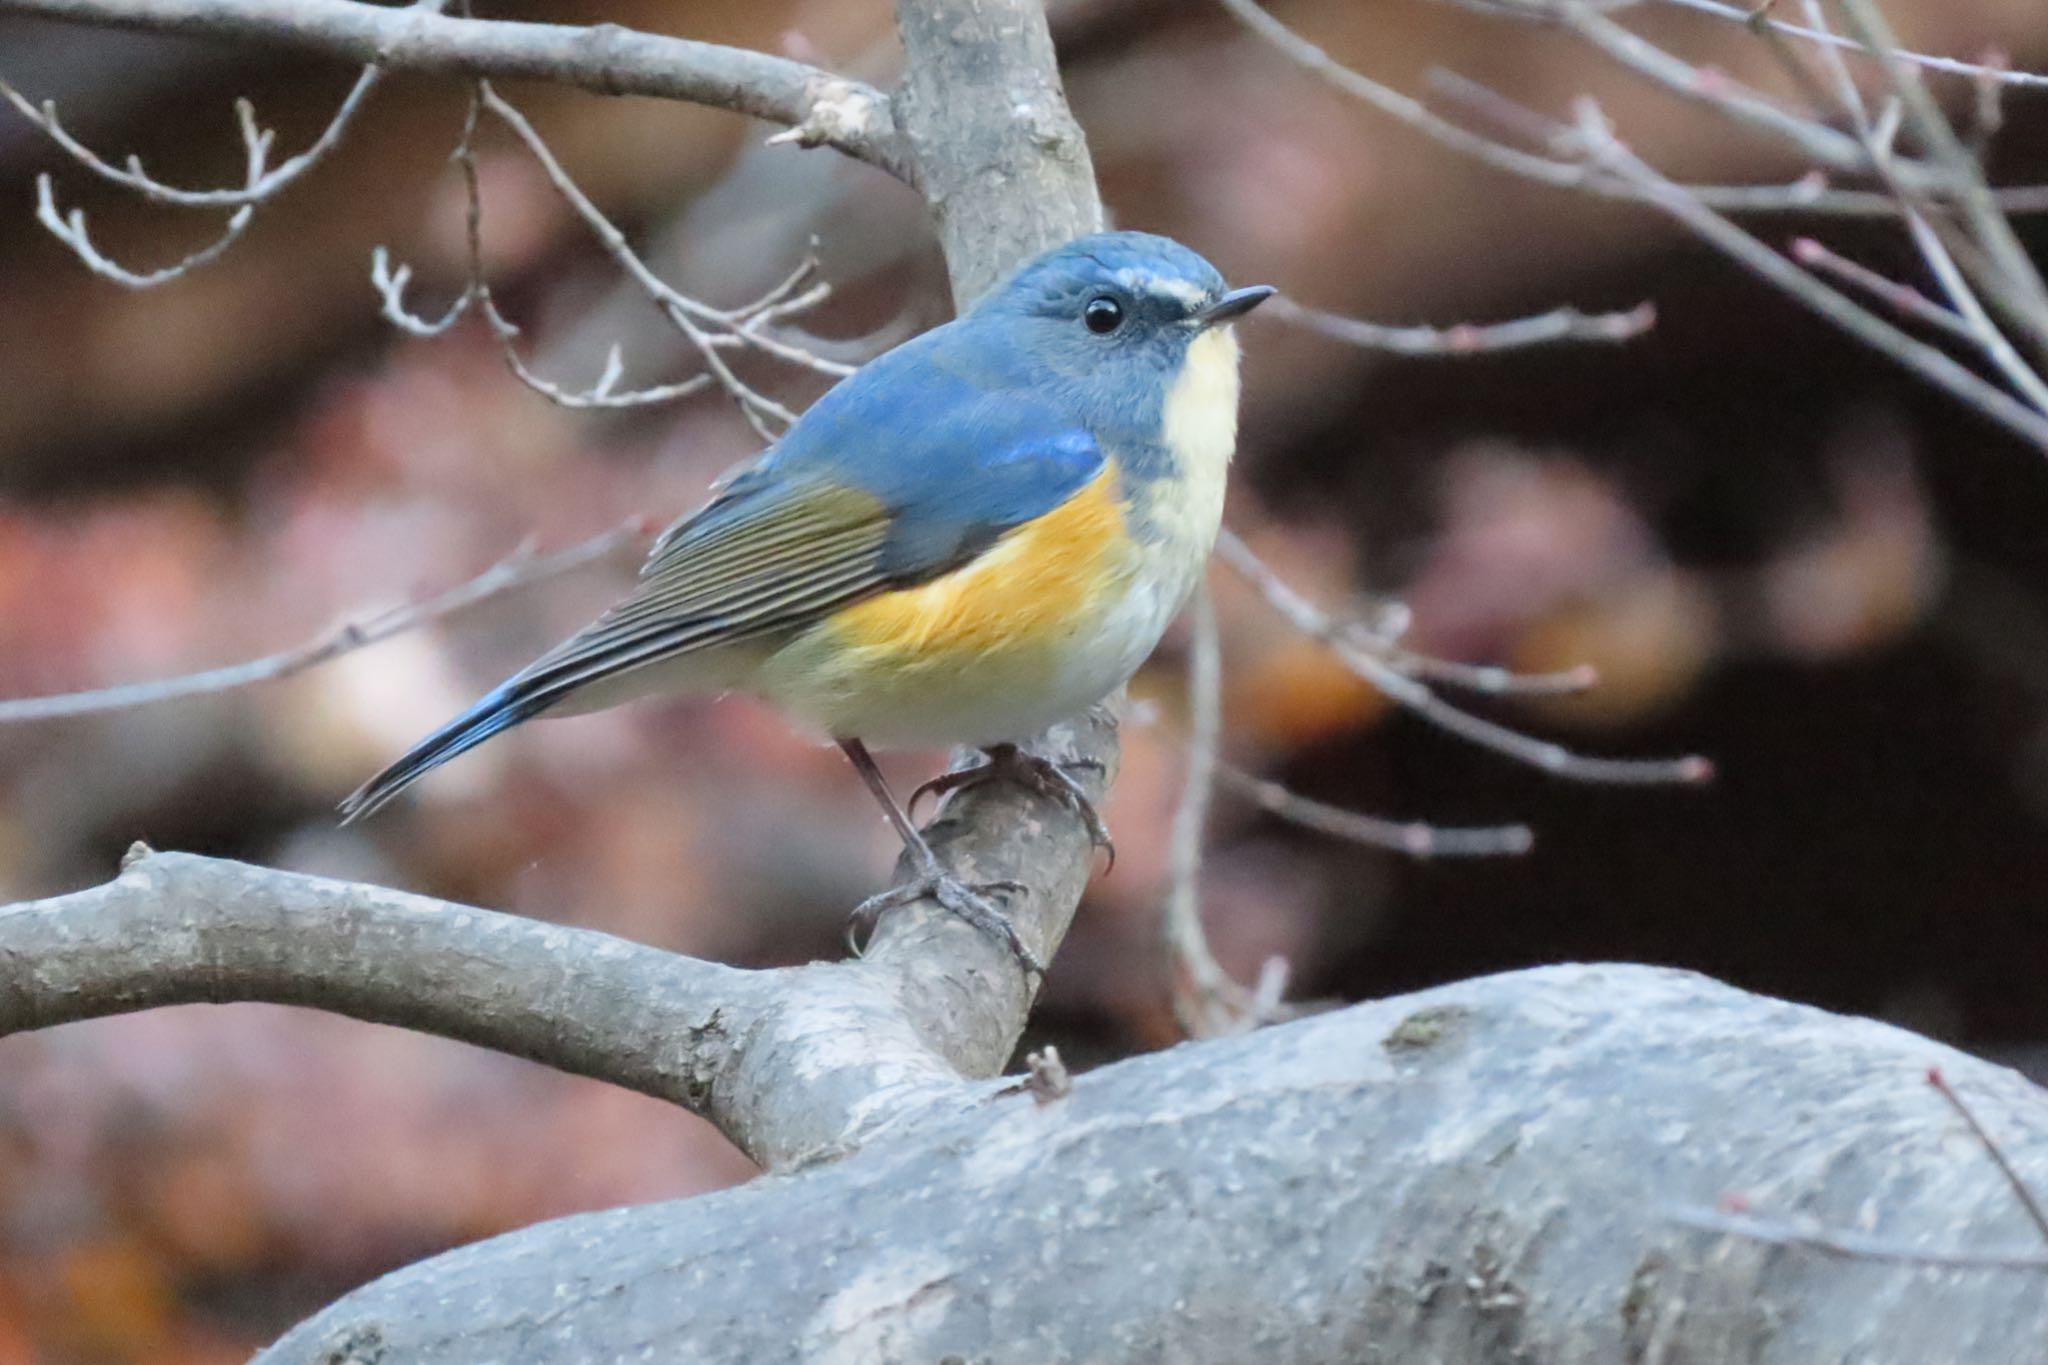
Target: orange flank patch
1035,584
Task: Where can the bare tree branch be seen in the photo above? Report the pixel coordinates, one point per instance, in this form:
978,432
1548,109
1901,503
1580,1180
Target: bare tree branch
1901,298
70,230
1761,17
177,929
1721,93
1469,338
1029,183
1837,308
791,1063
708,329
1205,1000
1387,674
821,109
1415,838
518,570
2021,1191
262,182
2010,279
1591,158
758,408
1976,324
1809,194
1480,1172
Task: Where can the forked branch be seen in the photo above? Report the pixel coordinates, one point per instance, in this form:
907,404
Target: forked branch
821,109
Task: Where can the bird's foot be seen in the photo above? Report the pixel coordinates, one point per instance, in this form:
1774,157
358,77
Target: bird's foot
1047,777
972,902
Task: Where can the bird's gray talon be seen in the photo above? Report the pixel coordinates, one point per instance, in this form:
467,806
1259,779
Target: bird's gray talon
969,902
1051,778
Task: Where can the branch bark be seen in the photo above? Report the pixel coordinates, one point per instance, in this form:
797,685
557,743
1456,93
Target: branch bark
1500,1170
1004,167
177,929
823,109
792,1063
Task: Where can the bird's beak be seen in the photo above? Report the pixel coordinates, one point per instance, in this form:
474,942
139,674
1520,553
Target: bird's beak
1235,304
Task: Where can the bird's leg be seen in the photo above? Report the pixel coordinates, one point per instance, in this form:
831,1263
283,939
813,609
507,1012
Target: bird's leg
970,902
1047,777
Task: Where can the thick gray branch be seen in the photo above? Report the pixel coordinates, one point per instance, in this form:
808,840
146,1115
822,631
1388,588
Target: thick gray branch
824,109
178,929
790,1063
1494,1171
1007,174
1005,170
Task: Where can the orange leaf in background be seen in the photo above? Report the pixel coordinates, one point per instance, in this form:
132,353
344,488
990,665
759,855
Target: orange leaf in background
17,1345
205,1209
1648,638
113,1302
1295,694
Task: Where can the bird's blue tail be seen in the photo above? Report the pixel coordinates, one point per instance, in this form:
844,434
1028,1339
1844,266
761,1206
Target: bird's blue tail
504,707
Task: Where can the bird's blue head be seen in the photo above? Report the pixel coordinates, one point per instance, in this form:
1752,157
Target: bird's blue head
1113,318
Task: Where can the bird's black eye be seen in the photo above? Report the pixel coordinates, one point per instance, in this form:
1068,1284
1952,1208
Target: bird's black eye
1103,315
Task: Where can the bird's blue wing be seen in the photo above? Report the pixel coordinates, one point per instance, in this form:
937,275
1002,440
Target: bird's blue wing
955,451
892,479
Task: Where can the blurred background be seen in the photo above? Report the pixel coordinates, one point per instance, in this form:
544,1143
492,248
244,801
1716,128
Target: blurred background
1777,550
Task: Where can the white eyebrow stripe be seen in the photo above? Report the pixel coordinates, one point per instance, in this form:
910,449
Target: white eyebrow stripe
1184,292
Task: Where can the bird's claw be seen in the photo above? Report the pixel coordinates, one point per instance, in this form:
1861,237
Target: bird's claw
1047,777
971,902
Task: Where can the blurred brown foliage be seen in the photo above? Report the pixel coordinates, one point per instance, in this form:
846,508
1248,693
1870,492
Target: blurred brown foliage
1775,550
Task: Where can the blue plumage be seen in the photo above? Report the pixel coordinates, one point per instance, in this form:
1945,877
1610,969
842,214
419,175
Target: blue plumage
503,707
1088,360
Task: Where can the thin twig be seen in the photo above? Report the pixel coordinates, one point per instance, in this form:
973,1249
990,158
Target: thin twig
391,282
1542,329
1205,1000
263,184
70,229
1415,838
2008,277
1716,90
737,327
517,570
260,181
1901,298
1411,692
819,108
604,393
1489,679
1593,140
1976,324
1932,365
1809,194
1850,1245
1383,637
2028,1199
1947,65
758,408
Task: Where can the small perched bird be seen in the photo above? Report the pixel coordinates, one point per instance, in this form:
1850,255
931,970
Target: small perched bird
981,532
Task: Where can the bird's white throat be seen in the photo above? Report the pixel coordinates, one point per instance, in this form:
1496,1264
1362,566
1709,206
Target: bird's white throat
1200,431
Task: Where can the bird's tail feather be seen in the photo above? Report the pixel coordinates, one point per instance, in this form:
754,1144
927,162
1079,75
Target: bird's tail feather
506,706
